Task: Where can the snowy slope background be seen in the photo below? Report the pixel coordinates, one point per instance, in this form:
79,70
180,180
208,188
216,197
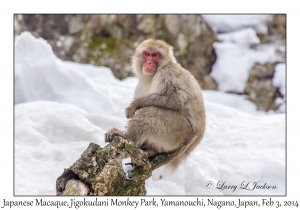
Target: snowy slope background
62,106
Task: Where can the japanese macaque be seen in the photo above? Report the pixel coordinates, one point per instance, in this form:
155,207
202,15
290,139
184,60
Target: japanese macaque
167,107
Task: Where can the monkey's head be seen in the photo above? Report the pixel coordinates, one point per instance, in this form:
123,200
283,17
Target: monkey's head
151,56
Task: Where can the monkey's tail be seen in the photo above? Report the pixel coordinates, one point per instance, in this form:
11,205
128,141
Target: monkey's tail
173,165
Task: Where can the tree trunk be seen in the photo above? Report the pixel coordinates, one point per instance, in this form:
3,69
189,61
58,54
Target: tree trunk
99,170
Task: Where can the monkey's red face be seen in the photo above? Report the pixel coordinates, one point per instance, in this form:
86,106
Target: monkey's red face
150,61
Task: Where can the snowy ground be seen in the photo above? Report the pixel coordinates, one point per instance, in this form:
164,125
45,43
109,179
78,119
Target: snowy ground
62,106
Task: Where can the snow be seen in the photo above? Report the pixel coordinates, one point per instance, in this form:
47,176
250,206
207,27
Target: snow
48,78
229,23
279,81
239,102
239,49
243,37
234,62
279,77
62,106
236,147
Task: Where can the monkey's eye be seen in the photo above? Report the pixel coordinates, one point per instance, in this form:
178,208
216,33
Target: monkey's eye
154,54
146,53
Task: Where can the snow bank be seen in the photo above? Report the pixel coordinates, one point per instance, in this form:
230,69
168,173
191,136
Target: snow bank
237,146
243,37
62,106
229,23
239,102
39,75
234,63
49,137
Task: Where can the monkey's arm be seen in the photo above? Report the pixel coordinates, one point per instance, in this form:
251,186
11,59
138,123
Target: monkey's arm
171,97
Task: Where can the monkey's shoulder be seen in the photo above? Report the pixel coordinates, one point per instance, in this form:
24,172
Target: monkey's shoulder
175,74
171,72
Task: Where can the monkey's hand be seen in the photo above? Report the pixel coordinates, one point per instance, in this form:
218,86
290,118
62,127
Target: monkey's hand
108,137
130,110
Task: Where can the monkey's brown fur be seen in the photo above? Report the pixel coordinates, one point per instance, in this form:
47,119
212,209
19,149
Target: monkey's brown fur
167,106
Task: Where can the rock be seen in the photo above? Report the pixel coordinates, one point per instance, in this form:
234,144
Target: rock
260,89
146,23
276,28
192,39
110,40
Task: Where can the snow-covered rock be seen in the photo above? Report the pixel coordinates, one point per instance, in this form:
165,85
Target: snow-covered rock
229,23
232,68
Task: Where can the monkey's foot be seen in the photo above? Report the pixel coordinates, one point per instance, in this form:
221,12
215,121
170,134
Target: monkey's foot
108,137
149,152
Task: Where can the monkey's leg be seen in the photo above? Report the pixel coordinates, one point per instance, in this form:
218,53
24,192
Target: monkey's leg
108,137
159,129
